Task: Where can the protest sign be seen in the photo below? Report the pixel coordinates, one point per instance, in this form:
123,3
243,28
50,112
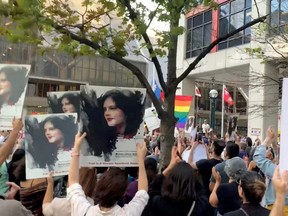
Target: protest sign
13,84
113,121
151,119
284,127
49,140
64,102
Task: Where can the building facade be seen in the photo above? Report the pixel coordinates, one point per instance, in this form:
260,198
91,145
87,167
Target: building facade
252,83
55,71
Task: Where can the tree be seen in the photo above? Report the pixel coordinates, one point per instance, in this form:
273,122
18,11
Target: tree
90,29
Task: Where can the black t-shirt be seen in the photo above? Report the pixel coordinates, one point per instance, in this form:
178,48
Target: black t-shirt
204,167
228,198
251,210
160,205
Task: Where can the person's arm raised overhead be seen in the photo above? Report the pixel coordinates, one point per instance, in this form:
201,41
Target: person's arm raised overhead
46,205
142,176
7,148
75,194
174,160
49,191
280,183
264,164
73,176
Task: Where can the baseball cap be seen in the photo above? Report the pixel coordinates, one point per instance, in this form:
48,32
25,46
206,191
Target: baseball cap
235,167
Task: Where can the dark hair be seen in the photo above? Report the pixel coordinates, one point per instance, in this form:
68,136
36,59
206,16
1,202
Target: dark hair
40,143
230,128
102,138
88,180
232,150
180,184
253,185
218,146
249,141
131,103
17,166
111,187
56,104
18,78
151,168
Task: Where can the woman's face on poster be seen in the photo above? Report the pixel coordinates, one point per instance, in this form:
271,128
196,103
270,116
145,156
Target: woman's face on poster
53,135
67,107
5,84
113,115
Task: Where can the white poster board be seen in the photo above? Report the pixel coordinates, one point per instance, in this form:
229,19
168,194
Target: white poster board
49,140
151,119
284,127
113,120
13,84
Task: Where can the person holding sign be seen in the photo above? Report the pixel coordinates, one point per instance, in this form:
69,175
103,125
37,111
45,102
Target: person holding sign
268,168
110,188
5,151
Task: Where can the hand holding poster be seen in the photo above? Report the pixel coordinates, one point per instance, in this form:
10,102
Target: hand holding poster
113,121
13,83
284,127
49,140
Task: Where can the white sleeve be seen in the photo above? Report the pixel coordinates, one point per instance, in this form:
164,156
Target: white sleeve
137,204
47,209
78,201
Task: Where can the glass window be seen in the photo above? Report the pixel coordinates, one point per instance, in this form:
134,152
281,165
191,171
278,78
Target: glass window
224,10
239,15
199,29
198,20
278,16
237,5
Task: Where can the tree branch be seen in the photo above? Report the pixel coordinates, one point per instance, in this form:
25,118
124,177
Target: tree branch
141,77
212,45
133,17
135,70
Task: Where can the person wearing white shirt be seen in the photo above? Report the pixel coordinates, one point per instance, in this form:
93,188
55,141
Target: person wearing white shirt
205,127
110,188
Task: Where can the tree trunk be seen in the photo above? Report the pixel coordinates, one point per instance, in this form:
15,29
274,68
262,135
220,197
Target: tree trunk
167,127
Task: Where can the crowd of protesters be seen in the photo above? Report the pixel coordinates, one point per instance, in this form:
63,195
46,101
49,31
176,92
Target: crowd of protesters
232,177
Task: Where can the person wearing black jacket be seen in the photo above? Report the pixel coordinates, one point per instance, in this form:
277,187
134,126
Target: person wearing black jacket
176,191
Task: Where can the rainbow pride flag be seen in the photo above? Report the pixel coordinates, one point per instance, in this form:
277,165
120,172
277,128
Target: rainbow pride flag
182,107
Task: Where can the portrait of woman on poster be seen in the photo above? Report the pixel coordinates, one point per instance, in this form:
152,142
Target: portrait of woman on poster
120,112
67,103
49,139
232,127
13,81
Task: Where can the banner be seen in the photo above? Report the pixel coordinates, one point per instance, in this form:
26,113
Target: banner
113,120
13,84
182,107
49,140
284,127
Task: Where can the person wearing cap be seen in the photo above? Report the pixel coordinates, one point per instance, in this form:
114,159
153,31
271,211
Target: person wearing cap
225,197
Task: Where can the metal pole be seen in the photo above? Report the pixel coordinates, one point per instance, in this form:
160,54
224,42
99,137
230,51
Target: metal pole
223,112
212,118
